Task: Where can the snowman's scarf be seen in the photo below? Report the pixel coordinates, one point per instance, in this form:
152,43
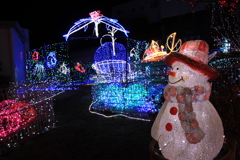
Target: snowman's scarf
184,97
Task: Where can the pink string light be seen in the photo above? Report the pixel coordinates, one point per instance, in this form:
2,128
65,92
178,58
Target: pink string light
14,115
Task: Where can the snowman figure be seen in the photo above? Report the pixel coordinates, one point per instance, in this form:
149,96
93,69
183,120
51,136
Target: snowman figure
188,127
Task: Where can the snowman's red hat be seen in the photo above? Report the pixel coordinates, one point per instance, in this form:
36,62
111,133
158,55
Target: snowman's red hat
194,54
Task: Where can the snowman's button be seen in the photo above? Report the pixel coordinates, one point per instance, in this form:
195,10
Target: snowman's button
168,127
173,110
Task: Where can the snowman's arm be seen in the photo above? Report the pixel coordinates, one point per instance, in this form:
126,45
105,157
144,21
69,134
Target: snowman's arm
155,128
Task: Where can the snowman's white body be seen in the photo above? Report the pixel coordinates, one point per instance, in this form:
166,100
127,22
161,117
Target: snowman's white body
173,144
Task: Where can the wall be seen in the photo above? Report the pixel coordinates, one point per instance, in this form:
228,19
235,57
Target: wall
14,42
5,56
18,58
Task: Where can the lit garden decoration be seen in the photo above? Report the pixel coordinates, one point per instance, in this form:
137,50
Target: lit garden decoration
125,83
188,126
26,112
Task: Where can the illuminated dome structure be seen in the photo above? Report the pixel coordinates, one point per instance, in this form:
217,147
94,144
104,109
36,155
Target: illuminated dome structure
112,63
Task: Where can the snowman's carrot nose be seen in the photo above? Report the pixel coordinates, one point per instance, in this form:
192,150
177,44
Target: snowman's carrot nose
173,74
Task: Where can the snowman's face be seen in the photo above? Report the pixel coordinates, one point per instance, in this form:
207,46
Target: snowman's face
182,75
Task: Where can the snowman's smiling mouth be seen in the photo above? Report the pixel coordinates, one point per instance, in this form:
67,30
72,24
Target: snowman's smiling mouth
176,81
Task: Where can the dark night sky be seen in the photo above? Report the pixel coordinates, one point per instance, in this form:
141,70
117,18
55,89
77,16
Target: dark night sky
48,20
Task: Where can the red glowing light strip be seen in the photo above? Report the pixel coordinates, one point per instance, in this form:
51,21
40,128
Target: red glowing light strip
13,115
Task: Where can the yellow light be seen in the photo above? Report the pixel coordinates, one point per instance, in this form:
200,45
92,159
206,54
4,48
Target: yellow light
173,48
155,53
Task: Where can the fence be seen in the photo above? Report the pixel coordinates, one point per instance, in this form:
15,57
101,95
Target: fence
25,111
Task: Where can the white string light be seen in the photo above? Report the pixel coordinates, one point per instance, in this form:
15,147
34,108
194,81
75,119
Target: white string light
96,18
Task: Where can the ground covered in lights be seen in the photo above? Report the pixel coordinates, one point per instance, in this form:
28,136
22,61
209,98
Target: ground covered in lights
80,134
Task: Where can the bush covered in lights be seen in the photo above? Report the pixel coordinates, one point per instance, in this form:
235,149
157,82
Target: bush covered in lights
49,63
132,99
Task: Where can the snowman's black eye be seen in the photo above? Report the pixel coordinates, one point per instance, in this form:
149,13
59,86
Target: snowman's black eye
177,68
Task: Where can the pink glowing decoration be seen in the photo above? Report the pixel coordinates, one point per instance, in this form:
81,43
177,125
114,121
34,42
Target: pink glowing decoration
95,15
14,115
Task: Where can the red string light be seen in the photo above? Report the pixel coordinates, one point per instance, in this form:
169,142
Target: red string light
14,115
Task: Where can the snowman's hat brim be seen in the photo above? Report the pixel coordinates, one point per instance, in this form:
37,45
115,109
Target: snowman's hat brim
205,69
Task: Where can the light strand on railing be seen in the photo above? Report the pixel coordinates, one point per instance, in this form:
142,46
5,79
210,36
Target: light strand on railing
116,115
